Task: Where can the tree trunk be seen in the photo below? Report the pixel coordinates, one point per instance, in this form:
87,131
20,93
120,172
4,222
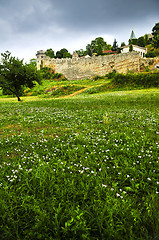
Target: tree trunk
17,94
18,99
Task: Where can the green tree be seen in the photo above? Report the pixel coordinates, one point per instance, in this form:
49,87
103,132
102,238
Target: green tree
115,46
97,46
130,48
141,41
46,73
155,33
81,53
123,44
63,53
32,62
50,53
89,49
133,41
67,55
14,75
147,40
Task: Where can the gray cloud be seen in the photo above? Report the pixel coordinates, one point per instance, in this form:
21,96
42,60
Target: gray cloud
63,23
101,13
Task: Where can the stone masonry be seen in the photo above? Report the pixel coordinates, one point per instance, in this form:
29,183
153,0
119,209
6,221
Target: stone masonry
83,68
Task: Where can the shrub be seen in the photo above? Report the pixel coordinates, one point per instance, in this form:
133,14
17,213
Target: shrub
139,79
46,72
151,54
57,75
110,75
95,78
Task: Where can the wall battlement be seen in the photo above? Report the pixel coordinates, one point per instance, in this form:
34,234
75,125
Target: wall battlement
82,68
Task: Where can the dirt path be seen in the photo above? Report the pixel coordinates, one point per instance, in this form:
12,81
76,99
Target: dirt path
80,91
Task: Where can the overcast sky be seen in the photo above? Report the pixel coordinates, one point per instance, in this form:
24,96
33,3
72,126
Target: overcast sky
30,25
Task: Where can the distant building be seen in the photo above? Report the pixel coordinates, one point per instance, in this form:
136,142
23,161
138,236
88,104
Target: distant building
40,56
87,56
40,53
135,48
141,50
75,55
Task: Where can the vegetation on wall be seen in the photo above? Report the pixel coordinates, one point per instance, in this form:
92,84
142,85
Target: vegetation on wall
63,53
50,53
47,73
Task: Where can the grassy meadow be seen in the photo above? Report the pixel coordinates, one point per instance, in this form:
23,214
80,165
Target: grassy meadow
81,166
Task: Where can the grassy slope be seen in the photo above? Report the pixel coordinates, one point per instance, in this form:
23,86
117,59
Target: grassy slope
62,88
56,88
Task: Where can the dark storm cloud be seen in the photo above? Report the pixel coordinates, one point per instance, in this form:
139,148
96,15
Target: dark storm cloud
85,14
40,22
35,15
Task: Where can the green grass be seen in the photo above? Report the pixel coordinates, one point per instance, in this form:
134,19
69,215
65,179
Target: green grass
85,167
111,82
62,88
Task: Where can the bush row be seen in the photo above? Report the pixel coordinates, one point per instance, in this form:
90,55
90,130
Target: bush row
146,79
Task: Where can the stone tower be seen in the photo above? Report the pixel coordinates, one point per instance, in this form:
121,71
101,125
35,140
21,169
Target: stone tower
40,56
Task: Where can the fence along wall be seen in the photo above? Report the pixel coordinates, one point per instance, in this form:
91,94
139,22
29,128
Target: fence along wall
83,68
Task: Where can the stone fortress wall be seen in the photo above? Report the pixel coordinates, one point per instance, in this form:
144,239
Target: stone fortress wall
83,68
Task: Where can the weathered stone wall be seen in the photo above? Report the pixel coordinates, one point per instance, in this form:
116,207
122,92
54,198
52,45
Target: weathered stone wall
146,62
82,68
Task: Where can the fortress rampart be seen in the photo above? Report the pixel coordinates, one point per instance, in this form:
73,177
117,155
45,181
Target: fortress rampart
83,68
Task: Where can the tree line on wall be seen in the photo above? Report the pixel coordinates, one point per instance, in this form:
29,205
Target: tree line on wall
99,46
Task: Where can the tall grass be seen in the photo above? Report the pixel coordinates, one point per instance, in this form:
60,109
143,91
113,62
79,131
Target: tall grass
80,168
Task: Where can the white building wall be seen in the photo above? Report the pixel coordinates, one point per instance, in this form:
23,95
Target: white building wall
140,50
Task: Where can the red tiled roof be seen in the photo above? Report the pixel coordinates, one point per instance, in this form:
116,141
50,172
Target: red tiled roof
107,51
